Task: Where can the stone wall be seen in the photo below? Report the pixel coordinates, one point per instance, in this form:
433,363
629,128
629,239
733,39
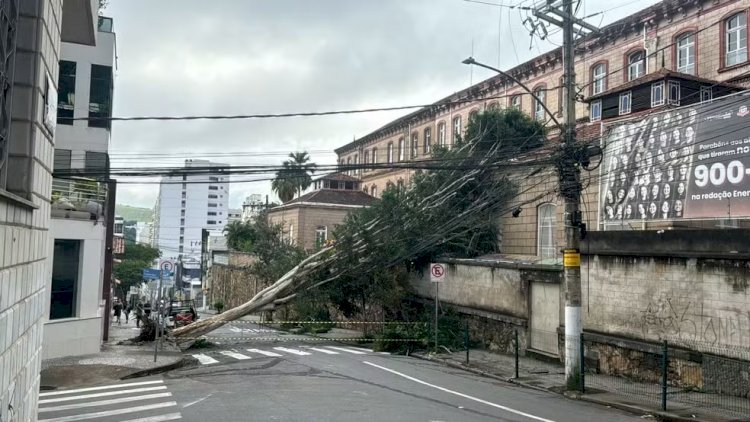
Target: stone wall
233,284
25,218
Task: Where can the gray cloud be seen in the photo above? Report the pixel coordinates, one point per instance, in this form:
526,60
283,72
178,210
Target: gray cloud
264,56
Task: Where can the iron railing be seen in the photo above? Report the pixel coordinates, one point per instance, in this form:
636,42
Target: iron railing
79,194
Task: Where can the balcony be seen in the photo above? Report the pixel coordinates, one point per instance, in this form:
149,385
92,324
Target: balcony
78,198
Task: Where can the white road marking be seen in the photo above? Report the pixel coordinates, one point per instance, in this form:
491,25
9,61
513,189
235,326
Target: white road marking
263,352
105,394
466,396
105,402
352,351
205,359
238,356
328,352
106,413
196,401
103,387
293,351
160,418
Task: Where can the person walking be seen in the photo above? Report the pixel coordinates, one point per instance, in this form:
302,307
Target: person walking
138,314
127,313
118,310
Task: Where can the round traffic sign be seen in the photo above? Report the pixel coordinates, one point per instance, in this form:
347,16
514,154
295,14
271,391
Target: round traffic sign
167,266
437,272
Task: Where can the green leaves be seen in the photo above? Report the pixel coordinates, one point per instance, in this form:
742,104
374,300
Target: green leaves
294,177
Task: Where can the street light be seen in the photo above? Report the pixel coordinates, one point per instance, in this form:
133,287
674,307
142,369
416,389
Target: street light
471,61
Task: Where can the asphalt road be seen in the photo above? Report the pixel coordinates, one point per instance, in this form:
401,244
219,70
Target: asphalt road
311,381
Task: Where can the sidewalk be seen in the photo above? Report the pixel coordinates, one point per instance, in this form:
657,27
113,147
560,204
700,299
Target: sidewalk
601,389
114,361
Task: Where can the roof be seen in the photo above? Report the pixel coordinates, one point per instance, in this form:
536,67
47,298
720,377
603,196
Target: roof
657,76
339,176
334,197
621,28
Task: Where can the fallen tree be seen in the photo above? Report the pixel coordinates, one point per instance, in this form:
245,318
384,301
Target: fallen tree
452,207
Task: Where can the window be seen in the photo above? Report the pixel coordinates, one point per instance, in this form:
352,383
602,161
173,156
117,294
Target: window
657,94
374,191
494,105
210,196
211,205
456,129
546,225
182,221
366,160
596,110
625,98
686,54
598,78
515,102
539,103
291,234
321,236
401,152
62,159
183,204
100,97
636,65
182,231
184,195
213,188
735,48
414,145
707,94
441,134
473,115
561,96
182,213
182,249
426,141
212,213
674,93
390,152
98,164
374,155
213,179
184,186
66,92
66,263
211,222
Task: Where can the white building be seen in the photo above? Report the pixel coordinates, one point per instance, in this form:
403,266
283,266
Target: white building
143,233
75,322
235,215
252,207
186,205
32,47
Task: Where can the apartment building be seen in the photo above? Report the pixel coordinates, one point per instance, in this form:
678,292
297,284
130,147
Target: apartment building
32,31
188,203
75,320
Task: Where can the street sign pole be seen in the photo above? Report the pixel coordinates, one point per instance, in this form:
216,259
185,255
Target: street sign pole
437,276
437,291
156,308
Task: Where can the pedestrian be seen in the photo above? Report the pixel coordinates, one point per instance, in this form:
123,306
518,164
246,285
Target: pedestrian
118,310
127,313
138,314
147,309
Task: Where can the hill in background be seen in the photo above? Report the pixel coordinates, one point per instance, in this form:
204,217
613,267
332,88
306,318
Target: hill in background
129,213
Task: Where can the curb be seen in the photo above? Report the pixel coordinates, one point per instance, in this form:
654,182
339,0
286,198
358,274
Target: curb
184,361
659,415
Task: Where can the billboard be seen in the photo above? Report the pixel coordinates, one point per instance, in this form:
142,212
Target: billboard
691,162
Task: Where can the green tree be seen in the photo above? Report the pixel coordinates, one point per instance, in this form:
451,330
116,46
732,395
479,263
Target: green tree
136,258
283,184
301,170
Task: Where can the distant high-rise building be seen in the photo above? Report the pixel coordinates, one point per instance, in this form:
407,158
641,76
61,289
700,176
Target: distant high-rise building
251,207
235,215
187,204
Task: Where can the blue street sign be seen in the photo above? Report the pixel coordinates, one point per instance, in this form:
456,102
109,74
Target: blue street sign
151,274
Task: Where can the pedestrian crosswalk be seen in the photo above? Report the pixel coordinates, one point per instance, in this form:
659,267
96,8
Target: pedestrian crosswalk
252,330
210,358
142,401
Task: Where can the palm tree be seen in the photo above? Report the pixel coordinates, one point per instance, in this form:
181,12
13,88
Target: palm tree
300,170
284,186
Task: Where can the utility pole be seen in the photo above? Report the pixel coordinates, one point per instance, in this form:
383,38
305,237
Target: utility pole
570,185
109,215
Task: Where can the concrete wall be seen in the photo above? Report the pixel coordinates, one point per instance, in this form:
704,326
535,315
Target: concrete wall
24,223
81,334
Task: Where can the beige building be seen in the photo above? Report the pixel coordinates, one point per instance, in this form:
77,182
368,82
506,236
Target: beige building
309,220
695,41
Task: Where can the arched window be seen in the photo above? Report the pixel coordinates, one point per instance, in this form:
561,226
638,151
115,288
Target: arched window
390,153
598,78
401,152
456,129
366,159
321,236
515,102
686,53
374,155
374,191
427,141
494,105
636,64
546,220
414,144
540,94
473,115
735,39
441,134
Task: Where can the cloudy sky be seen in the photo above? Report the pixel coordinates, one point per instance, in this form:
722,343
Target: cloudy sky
190,57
